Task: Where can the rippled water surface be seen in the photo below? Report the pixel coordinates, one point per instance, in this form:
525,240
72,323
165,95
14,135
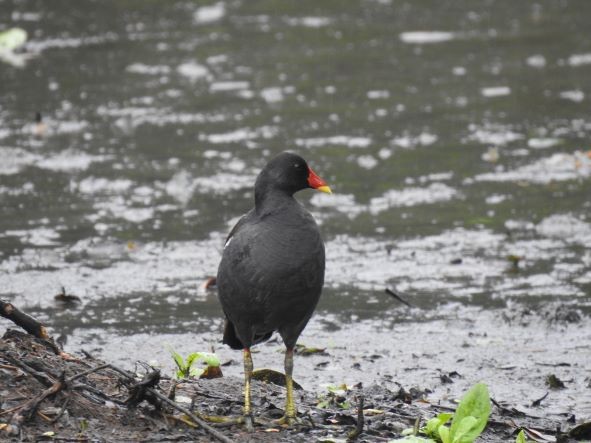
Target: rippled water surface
454,137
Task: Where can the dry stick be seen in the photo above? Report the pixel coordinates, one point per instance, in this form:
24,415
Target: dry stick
41,377
397,297
61,412
23,320
90,371
30,406
360,420
213,432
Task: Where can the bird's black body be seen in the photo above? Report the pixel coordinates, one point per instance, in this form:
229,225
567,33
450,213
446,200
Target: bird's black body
272,269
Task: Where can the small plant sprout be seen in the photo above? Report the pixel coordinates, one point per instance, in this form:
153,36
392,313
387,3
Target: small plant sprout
521,437
467,423
335,397
186,368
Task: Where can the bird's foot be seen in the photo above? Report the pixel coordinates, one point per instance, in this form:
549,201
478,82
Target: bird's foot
247,420
287,421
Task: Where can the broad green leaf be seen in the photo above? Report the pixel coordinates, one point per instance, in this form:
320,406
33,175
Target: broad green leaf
475,403
196,372
521,437
413,439
191,358
210,359
464,432
12,39
408,431
178,359
432,426
340,390
444,434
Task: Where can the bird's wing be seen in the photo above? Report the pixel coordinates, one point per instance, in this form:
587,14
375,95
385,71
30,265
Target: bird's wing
238,226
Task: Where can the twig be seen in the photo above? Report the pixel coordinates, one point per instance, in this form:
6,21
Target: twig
85,373
210,430
398,297
29,407
25,321
61,412
539,400
360,420
39,376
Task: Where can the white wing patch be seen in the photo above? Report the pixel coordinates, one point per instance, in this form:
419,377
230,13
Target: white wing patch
228,242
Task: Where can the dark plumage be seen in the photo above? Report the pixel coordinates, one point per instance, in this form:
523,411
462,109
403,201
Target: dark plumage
272,269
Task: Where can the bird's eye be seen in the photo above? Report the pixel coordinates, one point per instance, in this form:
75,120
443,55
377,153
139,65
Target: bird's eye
296,165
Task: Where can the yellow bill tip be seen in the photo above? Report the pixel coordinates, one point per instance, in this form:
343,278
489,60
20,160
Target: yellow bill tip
324,188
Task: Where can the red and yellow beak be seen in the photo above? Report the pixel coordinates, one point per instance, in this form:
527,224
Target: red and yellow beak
317,183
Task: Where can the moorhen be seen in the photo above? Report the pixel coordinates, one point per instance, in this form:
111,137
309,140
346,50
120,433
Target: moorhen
272,269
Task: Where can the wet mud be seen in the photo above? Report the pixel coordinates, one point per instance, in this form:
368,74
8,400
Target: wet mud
96,403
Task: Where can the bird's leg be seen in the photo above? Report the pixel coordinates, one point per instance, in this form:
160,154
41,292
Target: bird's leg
247,377
246,417
289,418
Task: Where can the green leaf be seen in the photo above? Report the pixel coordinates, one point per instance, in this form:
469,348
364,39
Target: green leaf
413,439
476,404
431,428
191,358
12,39
210,359
196,372
521,437
464,432
444,434
178,359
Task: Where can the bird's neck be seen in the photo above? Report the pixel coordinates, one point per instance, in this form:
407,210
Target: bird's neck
267,200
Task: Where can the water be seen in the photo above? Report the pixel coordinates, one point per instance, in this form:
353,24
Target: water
453,138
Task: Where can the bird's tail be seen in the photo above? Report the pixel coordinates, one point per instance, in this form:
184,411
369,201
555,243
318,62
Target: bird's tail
230,337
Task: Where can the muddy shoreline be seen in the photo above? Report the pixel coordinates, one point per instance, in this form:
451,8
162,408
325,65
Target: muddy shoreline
391,403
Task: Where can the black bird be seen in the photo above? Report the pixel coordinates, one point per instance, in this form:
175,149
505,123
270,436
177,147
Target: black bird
272,269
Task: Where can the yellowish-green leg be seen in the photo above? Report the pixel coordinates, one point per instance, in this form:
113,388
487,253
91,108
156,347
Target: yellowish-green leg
290,409
246,417
247,377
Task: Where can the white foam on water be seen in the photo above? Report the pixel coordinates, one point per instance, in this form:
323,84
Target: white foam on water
543,143
193,71
240,135
493,134
70,160
495,91
558,167
41,236
575,95
336,140
579,59
272,94
342,203
101,185
73,42
426,37
434,193
408,141
566,227
210,13
309,22
14,160
141,68
367,161
226,86
378,94
536,61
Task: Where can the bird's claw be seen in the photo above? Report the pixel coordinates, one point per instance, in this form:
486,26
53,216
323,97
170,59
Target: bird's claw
247,420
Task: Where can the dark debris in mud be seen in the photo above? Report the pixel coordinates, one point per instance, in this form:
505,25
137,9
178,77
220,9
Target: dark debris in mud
46,396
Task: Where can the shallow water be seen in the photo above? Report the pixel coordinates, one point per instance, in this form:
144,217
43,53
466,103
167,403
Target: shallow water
453,137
